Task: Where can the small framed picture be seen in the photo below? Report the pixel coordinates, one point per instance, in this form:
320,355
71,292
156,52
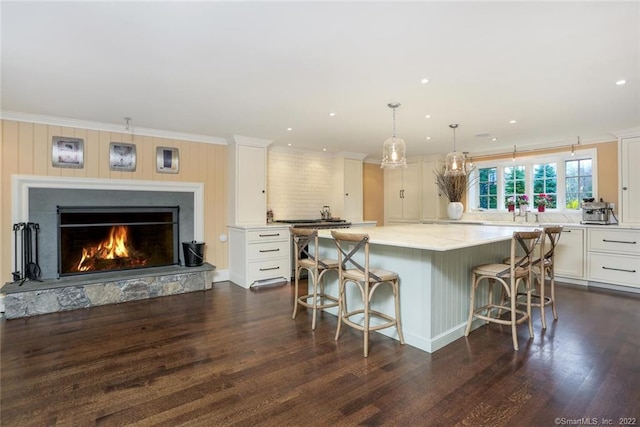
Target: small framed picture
67,152
167,160
122,157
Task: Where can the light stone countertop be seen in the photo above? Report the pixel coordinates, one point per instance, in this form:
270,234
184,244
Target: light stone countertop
434,237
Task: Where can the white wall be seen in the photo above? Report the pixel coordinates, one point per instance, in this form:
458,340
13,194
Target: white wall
299,183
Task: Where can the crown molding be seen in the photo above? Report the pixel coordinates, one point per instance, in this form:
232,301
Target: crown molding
109,127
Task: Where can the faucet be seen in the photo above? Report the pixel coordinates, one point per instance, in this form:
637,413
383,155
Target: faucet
514,215
526,216
536,215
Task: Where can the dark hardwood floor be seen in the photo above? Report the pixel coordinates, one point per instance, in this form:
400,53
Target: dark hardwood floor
229,356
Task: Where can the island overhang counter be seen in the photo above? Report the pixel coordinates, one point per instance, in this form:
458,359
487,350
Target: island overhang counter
434,263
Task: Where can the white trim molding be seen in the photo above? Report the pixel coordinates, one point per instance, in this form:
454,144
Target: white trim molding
109,127
22,183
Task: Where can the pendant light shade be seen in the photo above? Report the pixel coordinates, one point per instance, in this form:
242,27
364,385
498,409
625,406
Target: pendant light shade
455,160
393,149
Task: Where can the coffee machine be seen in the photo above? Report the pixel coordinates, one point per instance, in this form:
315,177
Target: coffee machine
600,213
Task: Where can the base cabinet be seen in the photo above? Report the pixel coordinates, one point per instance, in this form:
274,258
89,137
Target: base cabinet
569,254
258,254
614,256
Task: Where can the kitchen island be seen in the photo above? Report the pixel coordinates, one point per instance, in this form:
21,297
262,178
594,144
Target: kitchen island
434,263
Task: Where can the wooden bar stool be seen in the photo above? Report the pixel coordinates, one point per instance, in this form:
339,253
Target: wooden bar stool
317,268
543,268
367,280
509,277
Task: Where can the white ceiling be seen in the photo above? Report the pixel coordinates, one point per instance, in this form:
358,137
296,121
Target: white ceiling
257,68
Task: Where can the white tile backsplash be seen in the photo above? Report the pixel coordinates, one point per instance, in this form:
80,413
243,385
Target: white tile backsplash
299,183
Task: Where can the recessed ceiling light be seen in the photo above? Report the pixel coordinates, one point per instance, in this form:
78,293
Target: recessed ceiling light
332,114
289,129
424,81
428,137
494,139
621,82
289,144
512,121
324,149
427,116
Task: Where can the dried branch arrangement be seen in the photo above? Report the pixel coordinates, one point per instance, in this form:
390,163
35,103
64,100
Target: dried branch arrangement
454,186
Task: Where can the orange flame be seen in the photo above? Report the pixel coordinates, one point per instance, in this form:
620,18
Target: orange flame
115,246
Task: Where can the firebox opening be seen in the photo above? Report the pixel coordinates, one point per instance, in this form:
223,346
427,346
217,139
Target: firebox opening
98,239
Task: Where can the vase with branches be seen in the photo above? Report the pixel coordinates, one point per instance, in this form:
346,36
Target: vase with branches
454,187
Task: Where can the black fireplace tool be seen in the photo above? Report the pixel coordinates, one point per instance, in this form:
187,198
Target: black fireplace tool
33,270
30,269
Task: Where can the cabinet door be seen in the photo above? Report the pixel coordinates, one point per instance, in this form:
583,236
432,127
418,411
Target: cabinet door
251,176
411,195
392,193
434,206
569,254
630,177
353,190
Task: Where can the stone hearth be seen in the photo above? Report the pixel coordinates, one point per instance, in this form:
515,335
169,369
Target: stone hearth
71,293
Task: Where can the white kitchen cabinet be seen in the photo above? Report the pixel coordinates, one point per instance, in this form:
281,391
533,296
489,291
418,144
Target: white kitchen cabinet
613,256
347,202
434,205
402,193
629,194
247,181
569,254
259,254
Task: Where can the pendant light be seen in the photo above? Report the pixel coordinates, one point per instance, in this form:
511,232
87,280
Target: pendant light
393,149
455,161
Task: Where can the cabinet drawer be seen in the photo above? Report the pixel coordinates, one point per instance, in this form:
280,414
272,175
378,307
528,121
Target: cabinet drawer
267,235
619,241
277,267
267,250
620,269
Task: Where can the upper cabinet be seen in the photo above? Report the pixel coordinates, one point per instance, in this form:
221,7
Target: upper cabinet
402,193
629,193
347,200
247,181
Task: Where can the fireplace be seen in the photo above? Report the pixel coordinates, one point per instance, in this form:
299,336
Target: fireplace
98,239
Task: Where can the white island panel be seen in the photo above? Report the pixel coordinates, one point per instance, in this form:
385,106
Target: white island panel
434,263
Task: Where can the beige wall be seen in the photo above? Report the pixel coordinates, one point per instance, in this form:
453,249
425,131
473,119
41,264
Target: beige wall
373,193
25,149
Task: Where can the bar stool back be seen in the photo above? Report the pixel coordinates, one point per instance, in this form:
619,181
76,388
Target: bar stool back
367,280
543,268
509,277
317,267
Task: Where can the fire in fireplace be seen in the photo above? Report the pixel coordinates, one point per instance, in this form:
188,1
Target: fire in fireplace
98,239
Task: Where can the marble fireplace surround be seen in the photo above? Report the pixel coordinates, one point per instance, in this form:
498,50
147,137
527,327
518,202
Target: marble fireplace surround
86,291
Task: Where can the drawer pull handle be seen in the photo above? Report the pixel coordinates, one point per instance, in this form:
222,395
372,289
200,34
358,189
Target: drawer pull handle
618,269
270,268
618,241
269,250
269,235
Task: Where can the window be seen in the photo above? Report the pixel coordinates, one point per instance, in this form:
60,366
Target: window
566,179
545,181
488,188
514,182
578,181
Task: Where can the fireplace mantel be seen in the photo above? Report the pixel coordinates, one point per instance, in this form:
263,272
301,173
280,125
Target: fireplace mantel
21,184
35,199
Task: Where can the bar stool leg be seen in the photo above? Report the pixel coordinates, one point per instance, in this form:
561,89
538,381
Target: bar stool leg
365,325
542,280
552,281
512,299
295,294
396,295
472,303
